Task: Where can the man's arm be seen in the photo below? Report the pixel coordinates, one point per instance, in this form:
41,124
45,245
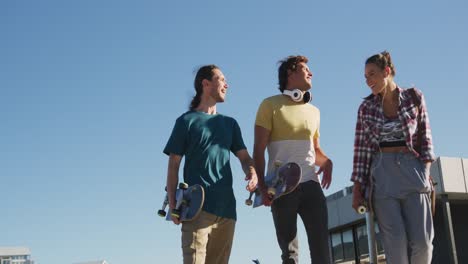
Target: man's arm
248,168
262,136
172,181
325,164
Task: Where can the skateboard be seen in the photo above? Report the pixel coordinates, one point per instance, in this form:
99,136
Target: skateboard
282,180
366,203
189,202
365,209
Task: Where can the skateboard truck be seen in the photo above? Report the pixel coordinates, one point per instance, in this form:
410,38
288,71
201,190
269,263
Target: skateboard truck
278,180
189,203
176,211
180,201
162,211
249,201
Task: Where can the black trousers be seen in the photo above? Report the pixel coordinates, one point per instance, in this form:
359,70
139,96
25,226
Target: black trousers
307,201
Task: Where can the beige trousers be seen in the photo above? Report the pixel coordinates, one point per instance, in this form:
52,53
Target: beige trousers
207,239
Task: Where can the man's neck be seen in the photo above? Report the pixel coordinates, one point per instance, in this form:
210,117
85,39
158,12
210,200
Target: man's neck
209,108
290,88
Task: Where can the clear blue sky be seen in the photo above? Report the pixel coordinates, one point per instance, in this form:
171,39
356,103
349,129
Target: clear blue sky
90,90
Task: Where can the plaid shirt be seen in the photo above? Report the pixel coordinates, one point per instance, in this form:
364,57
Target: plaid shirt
370,120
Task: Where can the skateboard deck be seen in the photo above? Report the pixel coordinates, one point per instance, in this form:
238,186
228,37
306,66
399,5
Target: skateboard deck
189,202
282,180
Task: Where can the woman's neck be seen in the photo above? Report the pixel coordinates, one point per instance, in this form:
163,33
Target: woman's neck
390,92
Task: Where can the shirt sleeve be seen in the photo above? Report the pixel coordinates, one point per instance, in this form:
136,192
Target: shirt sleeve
427,148
362,152
237,140
178,140
264,115
317,132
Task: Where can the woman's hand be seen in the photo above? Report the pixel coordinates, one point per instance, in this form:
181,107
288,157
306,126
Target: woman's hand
358,199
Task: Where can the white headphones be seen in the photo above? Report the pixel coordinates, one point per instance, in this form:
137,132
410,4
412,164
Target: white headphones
298,96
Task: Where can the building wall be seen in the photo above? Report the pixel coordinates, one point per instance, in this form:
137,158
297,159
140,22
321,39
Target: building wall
15,255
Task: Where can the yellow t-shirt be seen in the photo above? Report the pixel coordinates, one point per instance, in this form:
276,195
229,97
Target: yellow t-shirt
293,127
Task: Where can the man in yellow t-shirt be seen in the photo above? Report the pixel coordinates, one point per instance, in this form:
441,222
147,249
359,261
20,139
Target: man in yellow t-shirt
288,126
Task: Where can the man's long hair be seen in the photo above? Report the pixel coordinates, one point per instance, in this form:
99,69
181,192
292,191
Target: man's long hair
204,72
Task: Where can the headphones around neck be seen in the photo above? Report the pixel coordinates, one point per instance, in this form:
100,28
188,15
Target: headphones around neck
299,96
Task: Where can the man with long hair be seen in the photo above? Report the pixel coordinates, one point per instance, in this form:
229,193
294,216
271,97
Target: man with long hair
206,138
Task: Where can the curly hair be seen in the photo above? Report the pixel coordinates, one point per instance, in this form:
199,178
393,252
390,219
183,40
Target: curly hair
288,64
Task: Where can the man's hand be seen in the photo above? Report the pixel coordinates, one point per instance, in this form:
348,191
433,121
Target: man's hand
251,176
327,169
266,199
172,205
172,180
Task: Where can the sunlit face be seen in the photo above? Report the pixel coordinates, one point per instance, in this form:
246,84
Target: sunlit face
301,78
376,78
218,86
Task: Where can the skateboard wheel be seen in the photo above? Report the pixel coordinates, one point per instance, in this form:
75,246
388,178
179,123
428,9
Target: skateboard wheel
278,163
162,213
248,202
183,186
271,191
362,209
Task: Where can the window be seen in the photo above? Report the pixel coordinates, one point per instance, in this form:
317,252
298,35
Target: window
363,246
337,247
348,245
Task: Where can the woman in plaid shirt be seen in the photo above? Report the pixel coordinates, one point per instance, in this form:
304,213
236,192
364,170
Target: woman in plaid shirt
392,156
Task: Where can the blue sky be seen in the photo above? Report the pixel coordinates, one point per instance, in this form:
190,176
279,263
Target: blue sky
90,90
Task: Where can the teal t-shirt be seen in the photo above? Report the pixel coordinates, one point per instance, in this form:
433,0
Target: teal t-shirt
206,142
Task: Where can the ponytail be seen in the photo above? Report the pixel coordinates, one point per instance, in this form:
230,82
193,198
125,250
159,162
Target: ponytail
195,101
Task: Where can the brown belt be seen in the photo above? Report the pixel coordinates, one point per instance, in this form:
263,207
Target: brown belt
395,149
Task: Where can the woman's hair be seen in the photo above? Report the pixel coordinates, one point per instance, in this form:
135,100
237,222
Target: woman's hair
289,63
382,60
204,72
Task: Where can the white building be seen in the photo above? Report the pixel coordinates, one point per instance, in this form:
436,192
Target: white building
15,255
94,262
